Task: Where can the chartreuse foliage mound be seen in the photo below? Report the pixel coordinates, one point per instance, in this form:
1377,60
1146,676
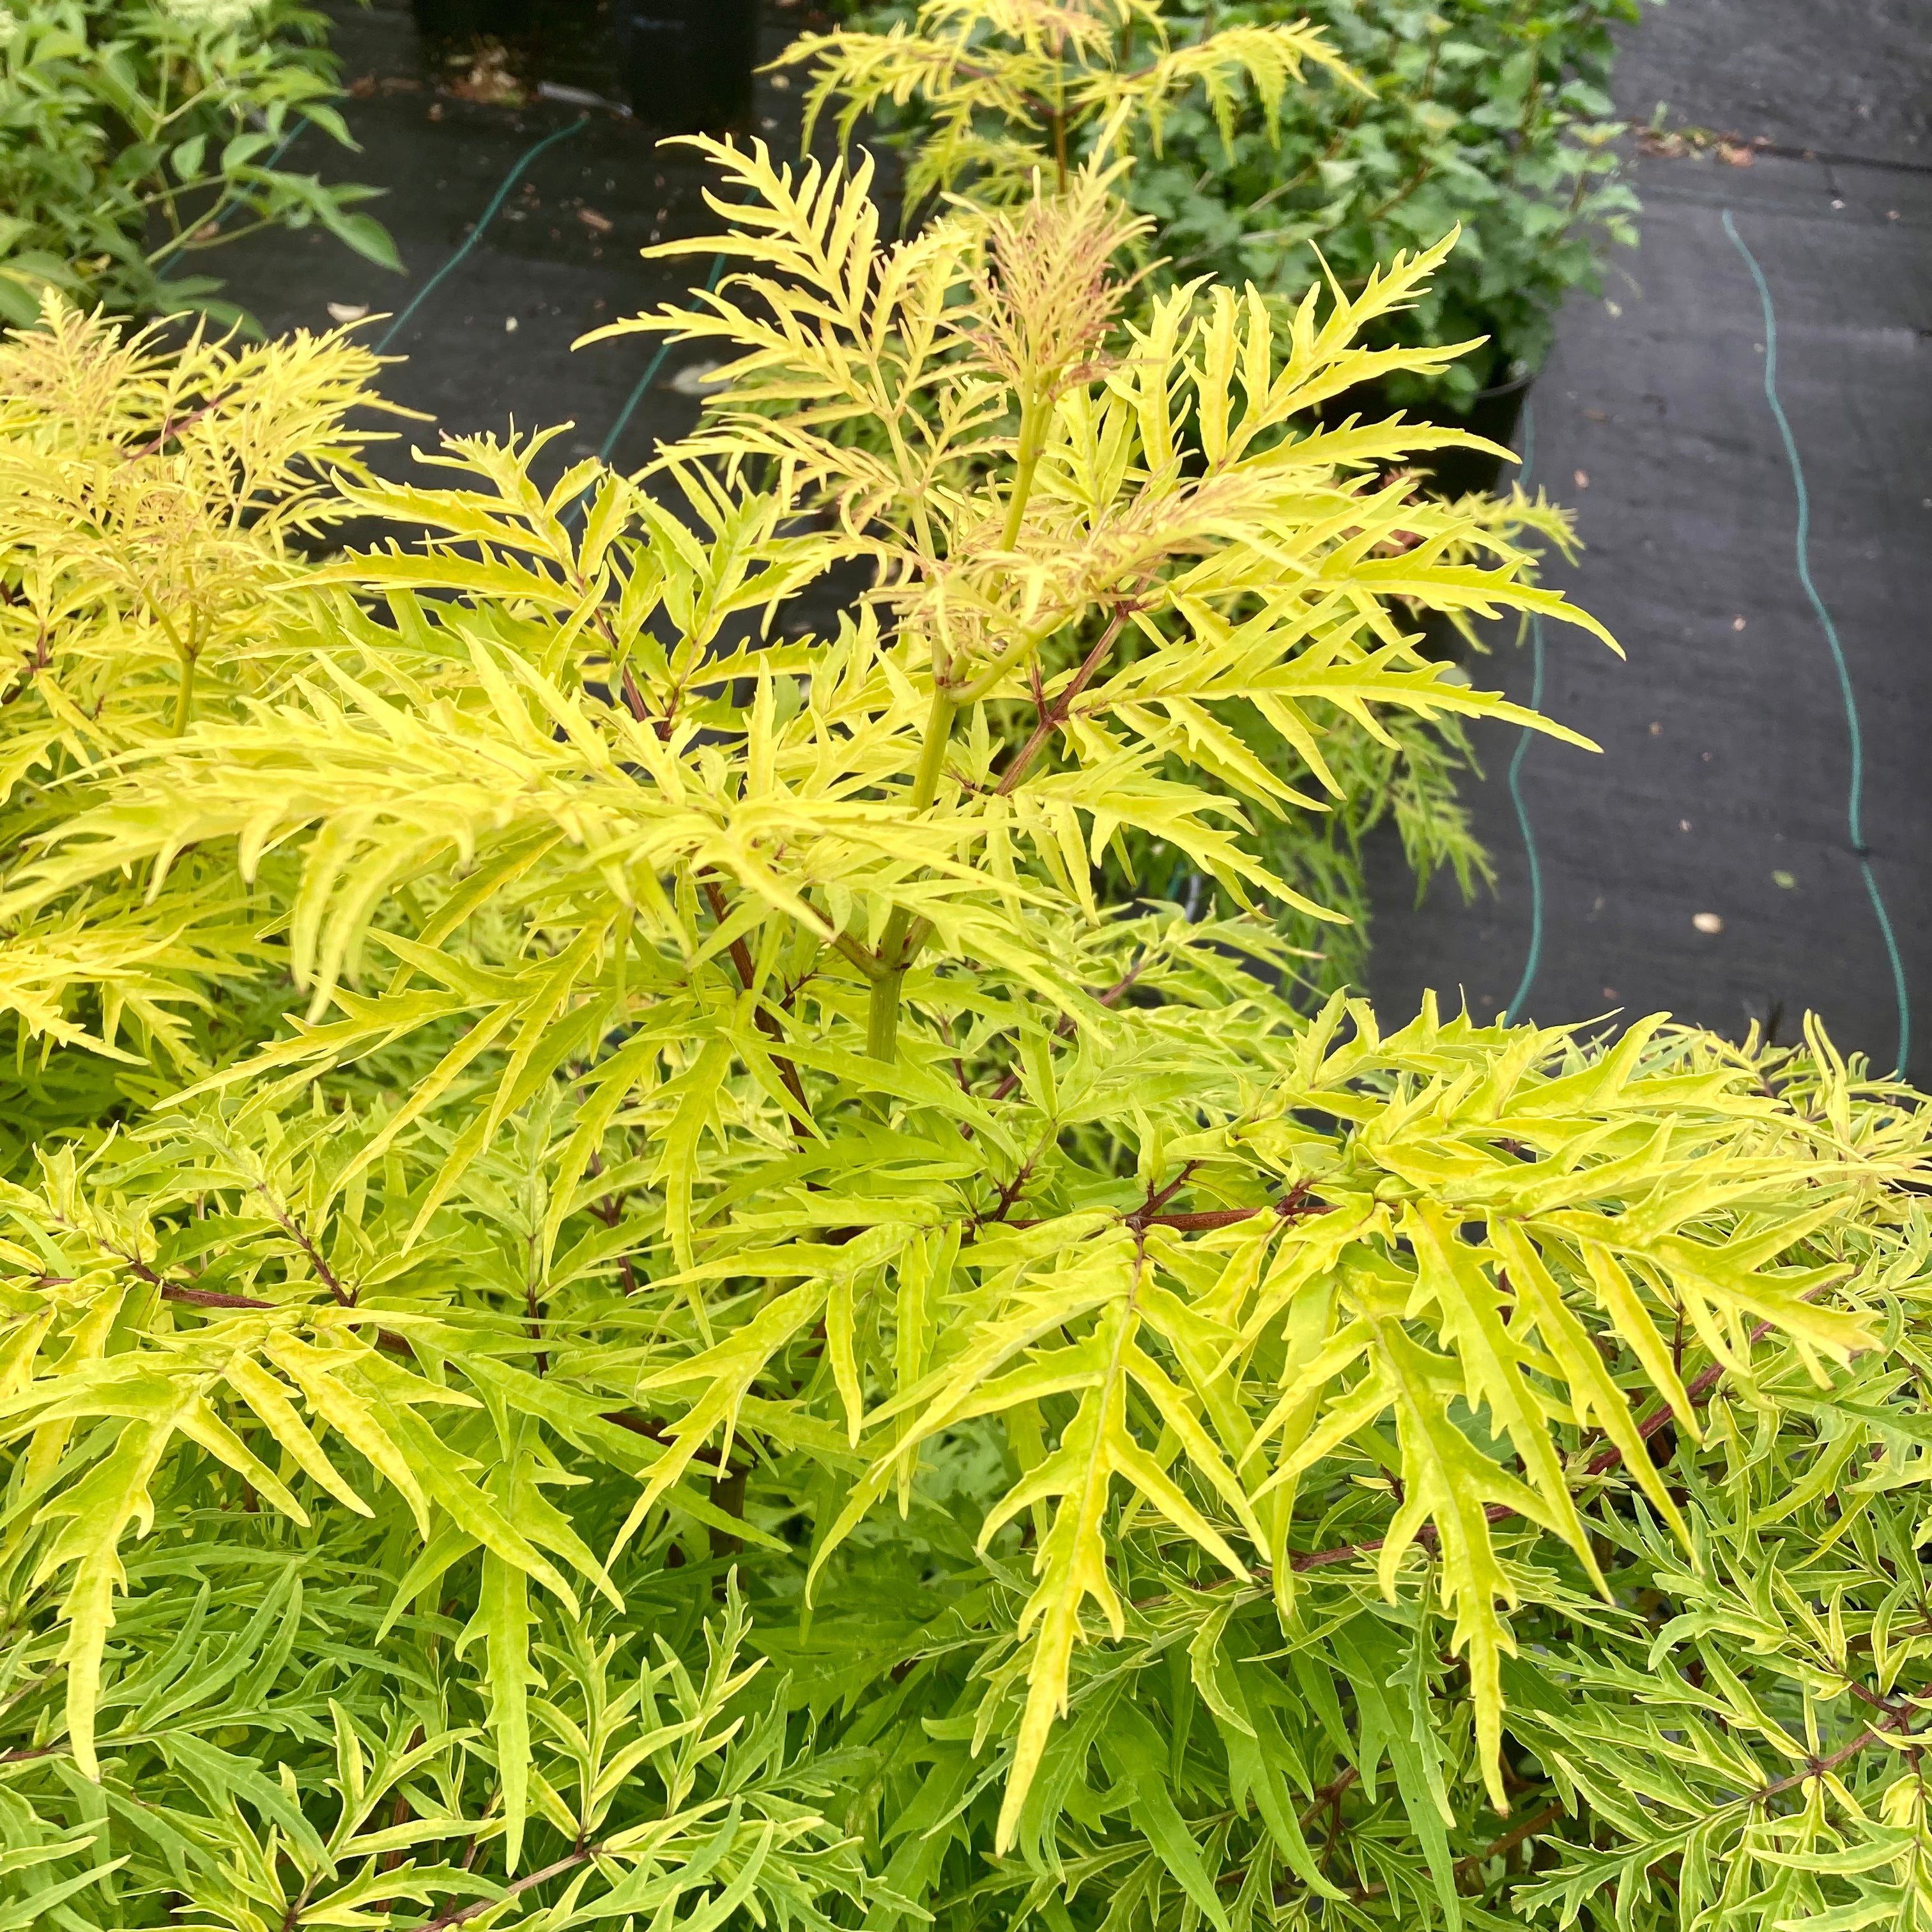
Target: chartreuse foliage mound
1282,143
988,98
626,1305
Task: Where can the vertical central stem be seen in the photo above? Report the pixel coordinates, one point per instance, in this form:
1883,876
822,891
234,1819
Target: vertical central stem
895,954
1034,413
882,1016
185,693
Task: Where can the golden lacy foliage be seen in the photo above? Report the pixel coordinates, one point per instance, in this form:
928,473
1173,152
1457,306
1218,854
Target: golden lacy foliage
665,1101
156,495
1008,87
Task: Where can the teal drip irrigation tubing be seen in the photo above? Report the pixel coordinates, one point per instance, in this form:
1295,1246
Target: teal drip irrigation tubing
476,235
638,391
1855,798
1533,957
275,153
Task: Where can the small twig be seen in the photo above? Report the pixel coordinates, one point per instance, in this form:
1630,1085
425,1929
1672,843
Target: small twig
609,1208
201,1298
399,1815
209,1297
1064,1030
279,1212
637,1425
1470,1861
298,1906
1510,1840
1149,1210
1008,1194
767,1021
1699,1386
1608,1457
171,429
1062,705
639,708
1329,1794
461,1915
1817,1767
533,1322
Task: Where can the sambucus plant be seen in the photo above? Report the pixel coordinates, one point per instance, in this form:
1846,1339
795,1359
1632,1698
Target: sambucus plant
997,89
989,96
132,130
1406,122
610,1104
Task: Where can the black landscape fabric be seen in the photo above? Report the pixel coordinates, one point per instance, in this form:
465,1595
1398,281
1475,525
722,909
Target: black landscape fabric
1726,754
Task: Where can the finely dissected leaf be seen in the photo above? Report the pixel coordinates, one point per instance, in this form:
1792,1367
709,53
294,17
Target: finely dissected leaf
627,1293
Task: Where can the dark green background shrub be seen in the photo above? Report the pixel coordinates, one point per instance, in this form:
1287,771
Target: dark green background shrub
136,137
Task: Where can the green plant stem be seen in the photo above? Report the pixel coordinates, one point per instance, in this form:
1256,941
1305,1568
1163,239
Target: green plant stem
1033,414
882,1019
899,944
190,243
184,694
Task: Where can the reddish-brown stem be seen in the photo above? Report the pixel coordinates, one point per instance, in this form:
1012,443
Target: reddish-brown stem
637,1426
1817,1767
1057,715
1511,1839
171,430
1700,1385
1328,1794
345,1297
1292,1207
202,1297
207,1297
1111,996
461,1915
767,1021
1606,1458
1470,1861
399,1815
1151,1208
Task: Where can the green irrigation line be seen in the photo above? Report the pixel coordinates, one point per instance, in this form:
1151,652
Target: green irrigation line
1855,797
1533,959
638,390
476,235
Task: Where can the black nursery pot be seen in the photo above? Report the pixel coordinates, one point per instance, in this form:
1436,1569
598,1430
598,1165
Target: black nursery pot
1494,414
684,66
688,63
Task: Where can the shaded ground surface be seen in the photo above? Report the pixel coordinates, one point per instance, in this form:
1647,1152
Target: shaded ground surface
540,264
1725,754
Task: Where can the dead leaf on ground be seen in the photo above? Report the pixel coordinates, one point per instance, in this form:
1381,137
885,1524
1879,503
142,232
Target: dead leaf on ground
487,79
699,379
